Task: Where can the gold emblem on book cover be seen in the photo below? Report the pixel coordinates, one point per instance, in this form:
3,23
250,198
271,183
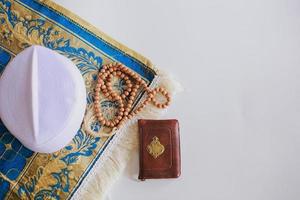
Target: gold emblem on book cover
155,148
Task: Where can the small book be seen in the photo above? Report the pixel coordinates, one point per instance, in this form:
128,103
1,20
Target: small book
159,149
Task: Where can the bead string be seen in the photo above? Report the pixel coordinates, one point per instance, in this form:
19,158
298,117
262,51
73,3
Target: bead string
125,100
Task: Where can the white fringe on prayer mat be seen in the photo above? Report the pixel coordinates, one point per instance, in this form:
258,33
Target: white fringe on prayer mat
112,163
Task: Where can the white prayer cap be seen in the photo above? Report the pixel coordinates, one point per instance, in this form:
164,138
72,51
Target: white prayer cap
42,99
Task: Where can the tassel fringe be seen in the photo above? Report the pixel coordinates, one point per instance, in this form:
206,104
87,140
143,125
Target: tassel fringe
111,164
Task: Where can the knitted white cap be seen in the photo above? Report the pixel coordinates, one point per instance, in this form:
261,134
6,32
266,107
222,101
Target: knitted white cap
42,99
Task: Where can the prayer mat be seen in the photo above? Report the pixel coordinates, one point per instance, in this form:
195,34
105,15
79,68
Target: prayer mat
86,167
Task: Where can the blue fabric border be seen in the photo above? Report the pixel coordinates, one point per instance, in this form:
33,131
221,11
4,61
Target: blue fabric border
4,58
90,167
86,35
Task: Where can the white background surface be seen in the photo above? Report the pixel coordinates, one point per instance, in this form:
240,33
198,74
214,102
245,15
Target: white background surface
239,62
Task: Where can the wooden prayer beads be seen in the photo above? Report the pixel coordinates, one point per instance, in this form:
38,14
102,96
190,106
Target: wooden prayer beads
125,100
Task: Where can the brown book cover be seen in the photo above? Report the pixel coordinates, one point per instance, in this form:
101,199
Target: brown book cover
159,149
